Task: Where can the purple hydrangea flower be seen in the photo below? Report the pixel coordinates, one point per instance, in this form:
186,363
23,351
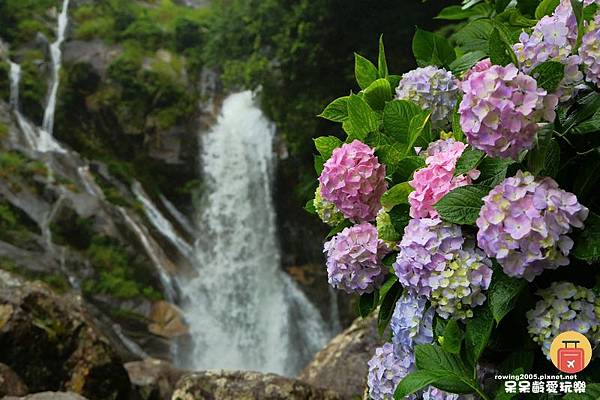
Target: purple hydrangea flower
386,370
436,179
590,52
461,284
354,181
501,107
425,249
553,39
354,259
564,307
411,323
524,224
432,88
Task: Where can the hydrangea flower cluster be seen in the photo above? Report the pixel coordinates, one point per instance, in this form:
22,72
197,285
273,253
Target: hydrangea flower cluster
436,179
553,38
386,370
462,283
432,88
564,307
326,210
590,52
354,181
411,323
425,249
524,224
501,107
354,259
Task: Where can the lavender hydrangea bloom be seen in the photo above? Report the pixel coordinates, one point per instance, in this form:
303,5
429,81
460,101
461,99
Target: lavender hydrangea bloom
326,210
432,88
564,307
524,224
461,284
433,393
354,181
553,39
411,324
501,107
425,249
590,52
354,259
386,369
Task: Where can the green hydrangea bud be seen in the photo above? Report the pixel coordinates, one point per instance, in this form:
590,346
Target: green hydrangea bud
326,210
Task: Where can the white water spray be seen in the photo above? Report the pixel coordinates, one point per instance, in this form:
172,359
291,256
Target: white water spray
244,312
56,56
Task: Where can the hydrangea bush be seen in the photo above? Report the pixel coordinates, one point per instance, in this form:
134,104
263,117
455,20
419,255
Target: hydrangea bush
463,197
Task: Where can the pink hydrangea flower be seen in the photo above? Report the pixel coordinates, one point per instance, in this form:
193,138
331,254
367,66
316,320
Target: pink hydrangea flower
500,109
354,181
354,259
436,179
525,224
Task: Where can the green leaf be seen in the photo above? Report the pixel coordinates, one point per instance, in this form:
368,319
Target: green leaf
589,12
578,11
310,206
493,171
397,194
461,205
386,309
362,117
503,293
454,13
387,285
419,131
450,372
469,159
456,128
390,155
367,303
406,167
430,48
318,164
536,158
397,115
326,144
552,160
466,61
588,106
378,93
400,216
588,126
501,5
587,245
453,336
478,332
527,7
474,36
414,382
519,359
381,61
500,51
364,71
549,74
546,7
338,228
337,110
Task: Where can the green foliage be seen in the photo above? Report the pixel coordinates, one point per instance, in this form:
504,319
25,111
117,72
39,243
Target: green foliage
21,20
462,205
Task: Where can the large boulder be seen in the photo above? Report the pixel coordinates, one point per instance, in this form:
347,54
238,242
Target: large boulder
10,383
48,396
246,385
52,344
154,379
342,364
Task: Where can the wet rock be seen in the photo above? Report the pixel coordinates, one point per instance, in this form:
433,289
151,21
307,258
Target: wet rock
342,364
167,320
154,379
96,53
246,385
48,396
52,344
10,383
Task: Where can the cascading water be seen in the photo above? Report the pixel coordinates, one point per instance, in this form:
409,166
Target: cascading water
244,312
56,56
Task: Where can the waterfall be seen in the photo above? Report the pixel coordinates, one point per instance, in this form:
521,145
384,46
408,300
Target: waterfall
56,56
183,221
15,78
244,312
162,224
